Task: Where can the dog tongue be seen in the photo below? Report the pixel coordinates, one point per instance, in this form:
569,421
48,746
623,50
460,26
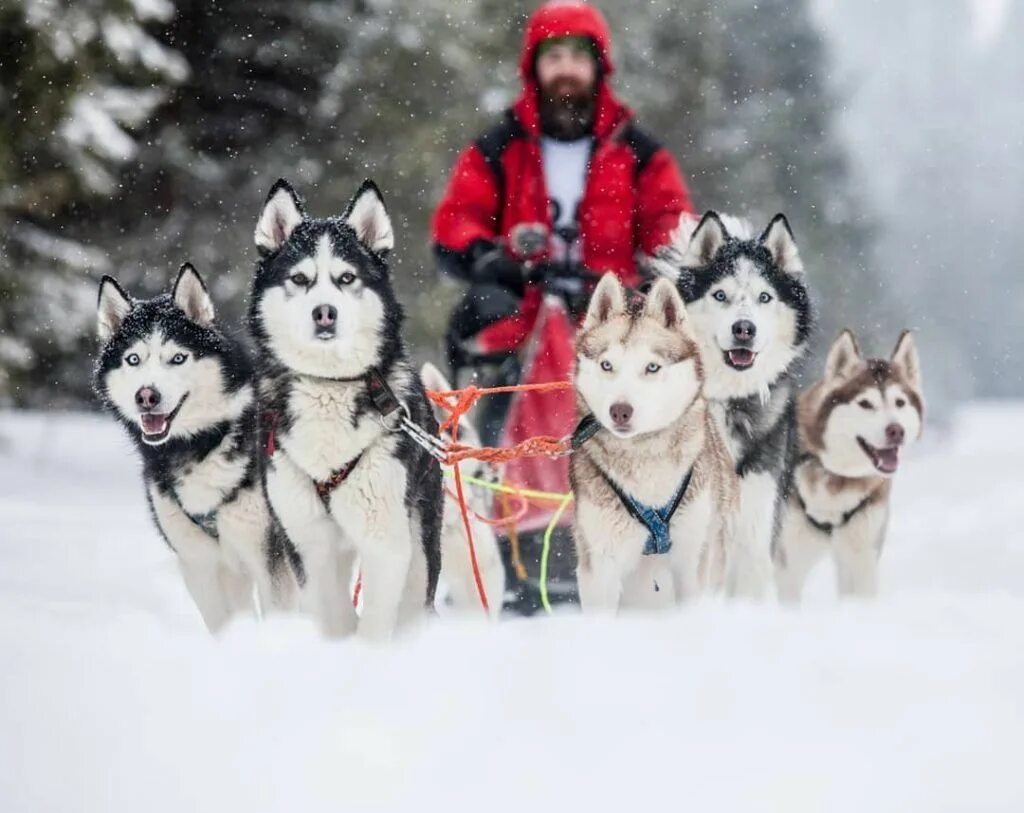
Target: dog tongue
888,460
153,423
741,356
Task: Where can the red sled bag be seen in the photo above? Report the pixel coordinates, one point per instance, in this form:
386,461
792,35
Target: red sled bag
550,356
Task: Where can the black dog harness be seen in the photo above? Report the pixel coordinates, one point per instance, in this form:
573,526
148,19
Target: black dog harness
826,527
205,522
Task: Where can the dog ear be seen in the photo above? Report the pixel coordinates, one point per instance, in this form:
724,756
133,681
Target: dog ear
112,306
282,212
778,239
843,356
905,359
709,236
433,379
189,293
369,217
666,305
608,300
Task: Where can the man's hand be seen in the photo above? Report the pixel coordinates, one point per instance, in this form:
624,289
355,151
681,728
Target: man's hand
491,263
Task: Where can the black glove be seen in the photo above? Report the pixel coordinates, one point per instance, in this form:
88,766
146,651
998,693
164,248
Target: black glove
492,263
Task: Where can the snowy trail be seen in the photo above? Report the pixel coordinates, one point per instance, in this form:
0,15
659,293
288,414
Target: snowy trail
113,698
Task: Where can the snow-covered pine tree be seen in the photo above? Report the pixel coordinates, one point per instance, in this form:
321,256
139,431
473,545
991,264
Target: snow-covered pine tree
77,82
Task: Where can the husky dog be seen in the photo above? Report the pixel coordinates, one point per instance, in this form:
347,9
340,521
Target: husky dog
336,382
650,473
853,425
457,566
752,316
184,392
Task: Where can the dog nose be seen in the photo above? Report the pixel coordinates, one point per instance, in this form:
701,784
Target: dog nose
744,330
325,315
894,434
147,398
621,413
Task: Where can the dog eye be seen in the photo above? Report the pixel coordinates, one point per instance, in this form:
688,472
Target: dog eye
132,359
719,296
347,278
764,298
178,358
653,367
900,403
864,403
300,279
606,366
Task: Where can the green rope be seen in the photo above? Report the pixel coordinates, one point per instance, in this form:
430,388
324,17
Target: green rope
563,503
546,552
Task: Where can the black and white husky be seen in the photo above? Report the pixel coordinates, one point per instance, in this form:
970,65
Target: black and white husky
184,392
750,308
335,382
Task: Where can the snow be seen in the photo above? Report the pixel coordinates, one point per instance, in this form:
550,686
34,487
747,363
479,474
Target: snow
113,698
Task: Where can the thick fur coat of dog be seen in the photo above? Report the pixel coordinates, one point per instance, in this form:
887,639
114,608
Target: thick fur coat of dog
335,382
751,313
854,424
646,447
183,390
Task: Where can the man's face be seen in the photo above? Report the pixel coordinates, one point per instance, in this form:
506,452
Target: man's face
566,70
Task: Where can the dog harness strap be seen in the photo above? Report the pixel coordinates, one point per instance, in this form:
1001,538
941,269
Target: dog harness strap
338,476
584,431
381,395
269,424
829,527
205,522
655,520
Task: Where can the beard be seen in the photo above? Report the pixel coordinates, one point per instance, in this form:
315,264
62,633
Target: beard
566,109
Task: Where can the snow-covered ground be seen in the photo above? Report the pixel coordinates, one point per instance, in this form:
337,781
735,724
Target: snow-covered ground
112,698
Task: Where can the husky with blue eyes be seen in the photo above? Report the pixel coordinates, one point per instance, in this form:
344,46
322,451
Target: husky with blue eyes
346,414
183,390
654,489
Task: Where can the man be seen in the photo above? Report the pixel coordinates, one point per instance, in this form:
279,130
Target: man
566,180
564,188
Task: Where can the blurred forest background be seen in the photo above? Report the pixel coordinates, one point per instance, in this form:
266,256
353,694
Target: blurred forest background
136,134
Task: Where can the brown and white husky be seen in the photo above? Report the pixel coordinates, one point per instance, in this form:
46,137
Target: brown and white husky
854,424
651,476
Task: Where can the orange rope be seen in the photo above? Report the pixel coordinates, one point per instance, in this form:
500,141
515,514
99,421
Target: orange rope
457,403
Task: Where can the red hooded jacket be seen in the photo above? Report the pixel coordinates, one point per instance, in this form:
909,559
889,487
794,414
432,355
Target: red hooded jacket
633,193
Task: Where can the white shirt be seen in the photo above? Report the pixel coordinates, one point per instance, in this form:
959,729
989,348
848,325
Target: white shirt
565,173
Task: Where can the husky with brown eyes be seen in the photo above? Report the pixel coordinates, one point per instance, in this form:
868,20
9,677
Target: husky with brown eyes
855,425
745,292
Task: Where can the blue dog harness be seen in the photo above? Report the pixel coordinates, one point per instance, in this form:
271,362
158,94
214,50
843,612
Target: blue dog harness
655,520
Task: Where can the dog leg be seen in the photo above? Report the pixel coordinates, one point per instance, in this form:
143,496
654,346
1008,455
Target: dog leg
413,606
199,559
750,564
238,587
372,506
600,585
385,564
317,537
797,554
856,568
